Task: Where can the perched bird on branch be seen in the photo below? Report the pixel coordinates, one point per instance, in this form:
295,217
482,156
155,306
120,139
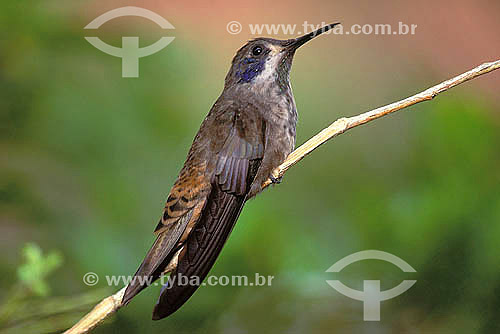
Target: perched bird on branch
249,132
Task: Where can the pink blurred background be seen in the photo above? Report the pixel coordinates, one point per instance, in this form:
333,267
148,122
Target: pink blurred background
451,37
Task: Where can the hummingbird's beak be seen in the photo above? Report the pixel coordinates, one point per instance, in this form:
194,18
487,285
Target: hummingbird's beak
294,44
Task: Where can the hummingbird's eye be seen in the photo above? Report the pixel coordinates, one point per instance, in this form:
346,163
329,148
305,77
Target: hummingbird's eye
257,50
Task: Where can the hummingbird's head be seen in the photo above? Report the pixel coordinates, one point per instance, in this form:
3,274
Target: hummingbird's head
266,60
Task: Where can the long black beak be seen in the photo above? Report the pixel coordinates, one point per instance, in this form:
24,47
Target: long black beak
294,44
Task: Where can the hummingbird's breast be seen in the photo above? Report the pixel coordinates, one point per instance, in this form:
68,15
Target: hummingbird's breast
276,106
283,115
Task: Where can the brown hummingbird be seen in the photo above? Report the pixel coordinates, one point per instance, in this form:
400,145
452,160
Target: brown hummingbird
249,131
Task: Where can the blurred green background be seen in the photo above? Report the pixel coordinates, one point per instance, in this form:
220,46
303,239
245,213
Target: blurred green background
87,158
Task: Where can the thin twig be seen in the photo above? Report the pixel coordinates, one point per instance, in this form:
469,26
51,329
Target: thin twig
100,312
112,303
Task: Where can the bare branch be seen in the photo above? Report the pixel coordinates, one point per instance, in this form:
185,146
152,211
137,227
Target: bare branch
100,312
112,303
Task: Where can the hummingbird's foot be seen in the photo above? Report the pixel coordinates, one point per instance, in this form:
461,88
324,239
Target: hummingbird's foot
275,180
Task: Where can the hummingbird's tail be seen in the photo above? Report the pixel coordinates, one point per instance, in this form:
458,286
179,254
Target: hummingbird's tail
147,273
200,251
157,259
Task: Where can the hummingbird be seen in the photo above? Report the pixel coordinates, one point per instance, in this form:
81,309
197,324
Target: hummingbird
249,131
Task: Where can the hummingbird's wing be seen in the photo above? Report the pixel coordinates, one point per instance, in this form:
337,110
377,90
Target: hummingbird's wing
235,167
204,203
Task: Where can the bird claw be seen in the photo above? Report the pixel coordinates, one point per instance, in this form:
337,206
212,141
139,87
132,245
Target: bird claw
275,180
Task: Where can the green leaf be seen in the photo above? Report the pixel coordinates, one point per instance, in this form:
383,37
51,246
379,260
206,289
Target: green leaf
37,268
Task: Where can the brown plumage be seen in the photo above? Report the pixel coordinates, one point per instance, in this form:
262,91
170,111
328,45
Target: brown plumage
248,132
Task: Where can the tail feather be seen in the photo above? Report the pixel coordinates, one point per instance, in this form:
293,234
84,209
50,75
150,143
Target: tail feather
200,251
157,259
